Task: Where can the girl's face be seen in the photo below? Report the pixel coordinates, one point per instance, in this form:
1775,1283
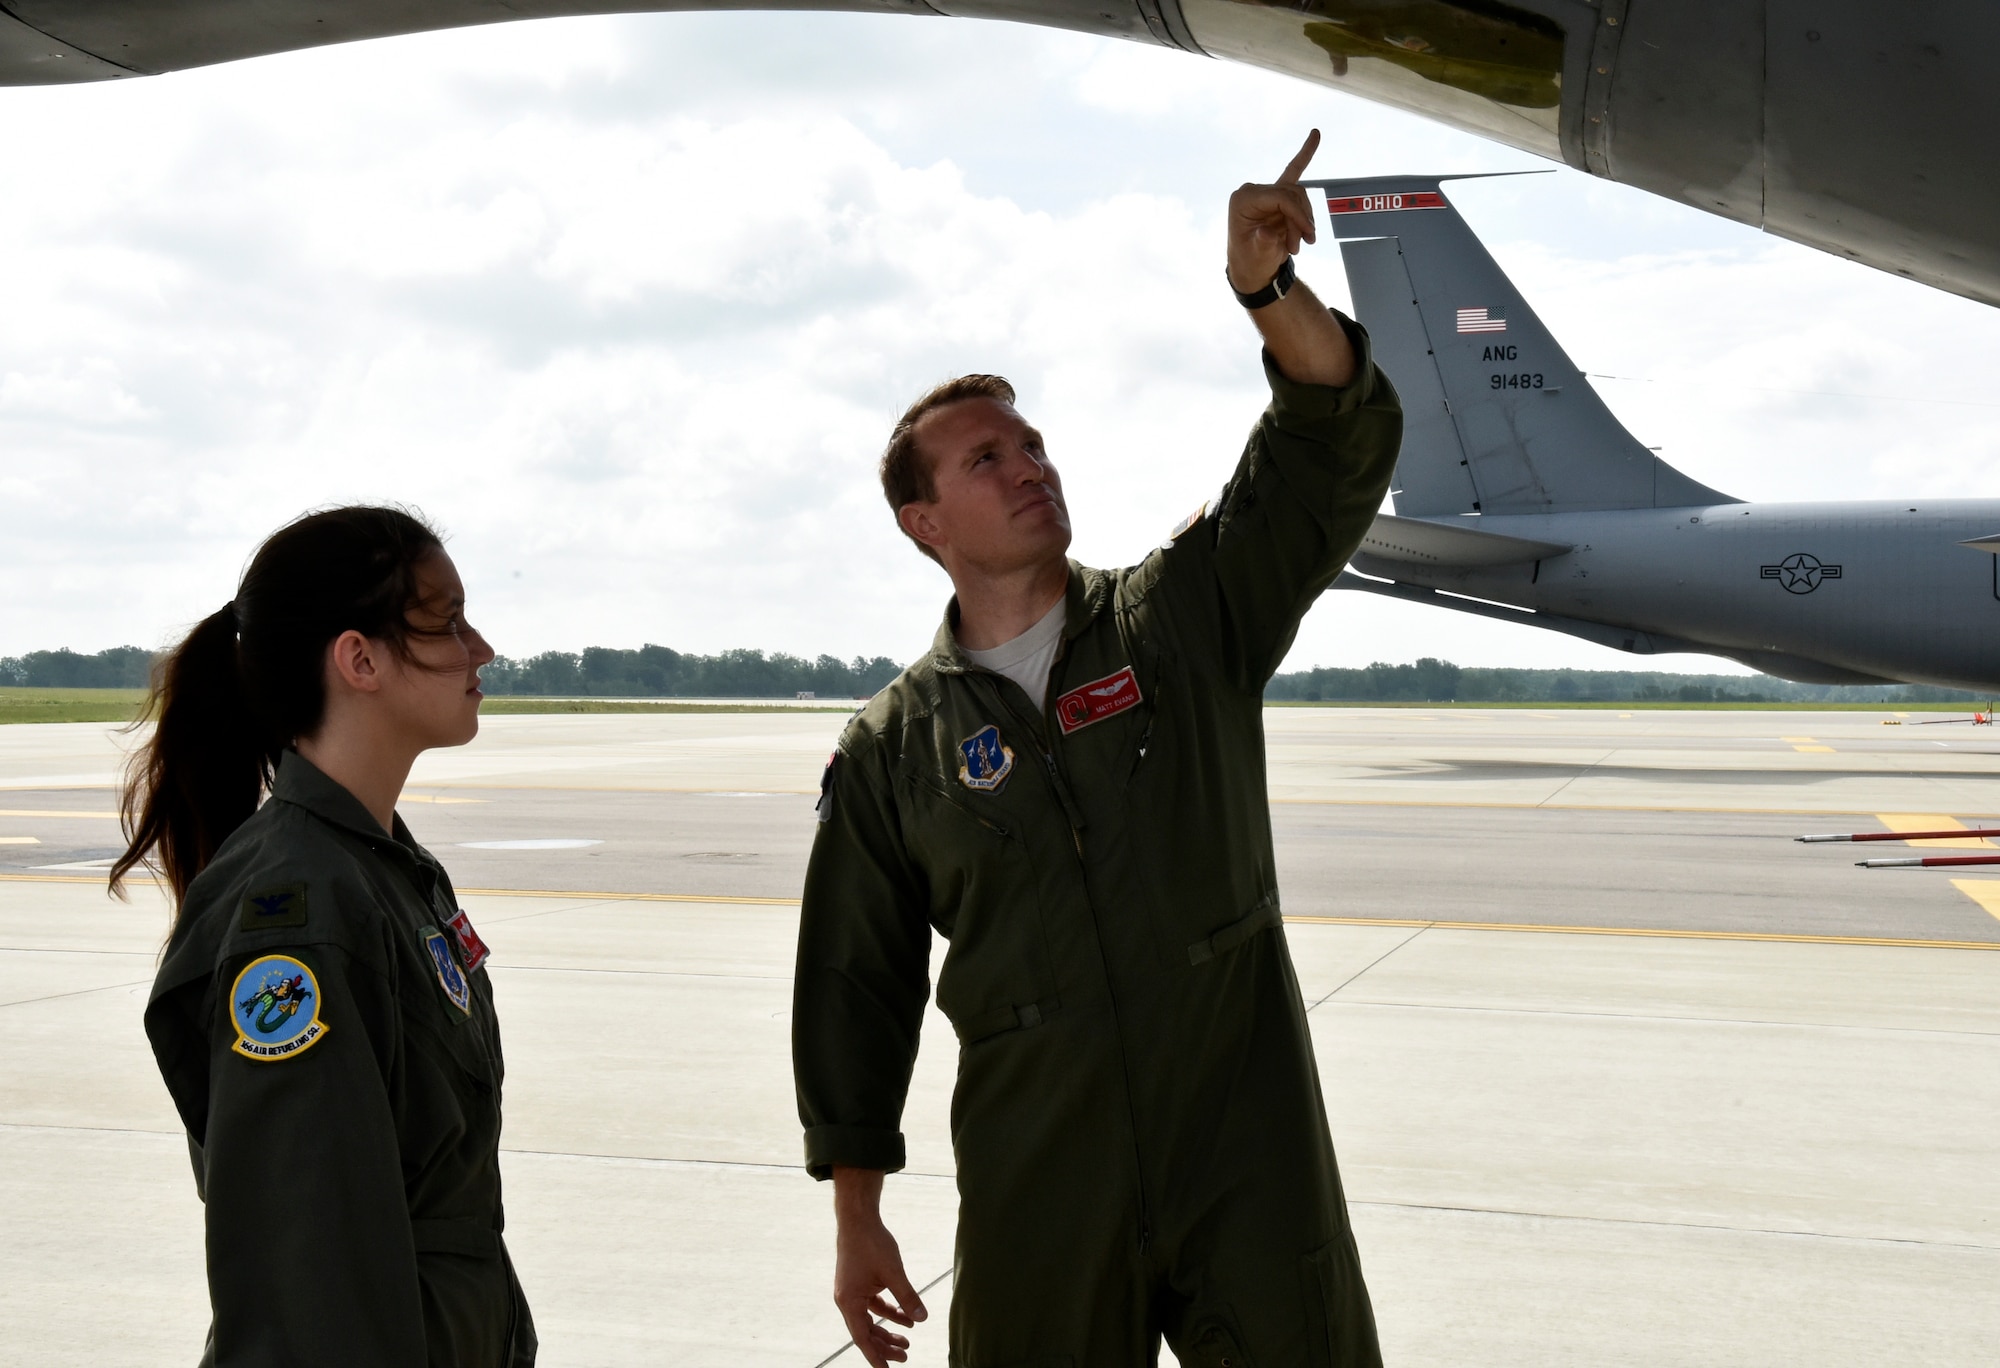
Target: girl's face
436,691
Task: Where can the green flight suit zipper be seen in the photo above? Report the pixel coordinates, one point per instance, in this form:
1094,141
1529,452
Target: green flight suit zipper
1045,737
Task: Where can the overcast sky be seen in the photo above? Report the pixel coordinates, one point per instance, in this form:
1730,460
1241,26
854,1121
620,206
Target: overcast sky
627,305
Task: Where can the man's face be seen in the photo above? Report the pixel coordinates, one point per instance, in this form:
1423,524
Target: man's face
999,505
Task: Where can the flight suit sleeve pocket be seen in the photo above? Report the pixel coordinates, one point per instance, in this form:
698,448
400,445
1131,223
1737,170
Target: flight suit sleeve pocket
1262,916
1340,1320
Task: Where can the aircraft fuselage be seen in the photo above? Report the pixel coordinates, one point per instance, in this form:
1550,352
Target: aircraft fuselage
1867,589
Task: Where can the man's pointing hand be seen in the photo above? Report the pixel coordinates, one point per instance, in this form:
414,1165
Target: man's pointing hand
1268,222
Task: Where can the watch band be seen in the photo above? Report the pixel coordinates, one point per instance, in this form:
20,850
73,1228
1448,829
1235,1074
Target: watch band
1280,286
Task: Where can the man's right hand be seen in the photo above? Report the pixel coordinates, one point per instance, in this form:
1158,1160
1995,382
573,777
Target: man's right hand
866,1264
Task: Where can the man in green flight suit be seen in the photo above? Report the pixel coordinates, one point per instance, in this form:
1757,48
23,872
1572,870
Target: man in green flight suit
1070,789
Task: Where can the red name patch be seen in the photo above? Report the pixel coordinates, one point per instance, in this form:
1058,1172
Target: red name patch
1376,204
1097,700
472,949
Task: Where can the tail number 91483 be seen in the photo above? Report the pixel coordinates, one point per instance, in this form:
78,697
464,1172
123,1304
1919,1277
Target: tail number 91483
1516,380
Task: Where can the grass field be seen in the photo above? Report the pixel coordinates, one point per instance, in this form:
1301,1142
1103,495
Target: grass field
507,704
122,705
1653,705
70,705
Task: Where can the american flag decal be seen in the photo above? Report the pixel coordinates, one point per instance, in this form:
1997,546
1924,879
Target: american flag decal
1482,320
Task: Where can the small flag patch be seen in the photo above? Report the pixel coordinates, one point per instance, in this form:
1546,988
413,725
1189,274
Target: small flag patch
1482,320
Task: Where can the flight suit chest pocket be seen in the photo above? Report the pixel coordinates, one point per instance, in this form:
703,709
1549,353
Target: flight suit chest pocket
986,901
1109,722
448,1015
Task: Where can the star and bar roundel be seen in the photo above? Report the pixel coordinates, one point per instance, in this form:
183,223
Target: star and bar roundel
1799,573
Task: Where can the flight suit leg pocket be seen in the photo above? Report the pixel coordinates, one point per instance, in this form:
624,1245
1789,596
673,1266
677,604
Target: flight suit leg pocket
1340,1321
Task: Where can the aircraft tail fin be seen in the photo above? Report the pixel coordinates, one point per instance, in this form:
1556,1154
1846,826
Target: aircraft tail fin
1497,419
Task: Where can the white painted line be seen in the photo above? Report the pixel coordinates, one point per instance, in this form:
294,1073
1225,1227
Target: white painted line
18,840
90,866
556,843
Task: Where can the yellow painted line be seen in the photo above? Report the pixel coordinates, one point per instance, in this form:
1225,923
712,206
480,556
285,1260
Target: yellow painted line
1823,750
465,893
1932,821
625,897
626,788
97,879
112,816
1599,807
37,785
587,895
1657,932
18,840
1985,892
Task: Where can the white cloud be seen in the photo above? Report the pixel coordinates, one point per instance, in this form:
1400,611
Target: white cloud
629,304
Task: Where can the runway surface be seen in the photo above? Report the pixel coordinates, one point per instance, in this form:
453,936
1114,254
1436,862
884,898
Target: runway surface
1647,821
1618,1072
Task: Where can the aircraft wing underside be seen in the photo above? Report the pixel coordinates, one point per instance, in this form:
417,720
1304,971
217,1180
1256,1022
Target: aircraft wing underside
1858,127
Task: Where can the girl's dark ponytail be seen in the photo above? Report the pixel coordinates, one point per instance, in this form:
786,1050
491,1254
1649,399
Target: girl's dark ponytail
249,680
207,764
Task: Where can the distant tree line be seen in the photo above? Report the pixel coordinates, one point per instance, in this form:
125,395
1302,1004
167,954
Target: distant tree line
1439,681
121,667
661,672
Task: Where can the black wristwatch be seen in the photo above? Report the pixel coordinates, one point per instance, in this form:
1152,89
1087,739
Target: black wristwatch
1280,286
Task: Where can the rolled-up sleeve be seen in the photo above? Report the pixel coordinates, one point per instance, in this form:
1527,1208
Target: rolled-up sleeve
863,973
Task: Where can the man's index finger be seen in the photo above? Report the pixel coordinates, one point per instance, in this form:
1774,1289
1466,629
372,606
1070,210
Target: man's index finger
1298,164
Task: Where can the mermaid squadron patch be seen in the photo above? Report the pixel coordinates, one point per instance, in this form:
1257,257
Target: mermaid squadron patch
984,760
274,1005
450,977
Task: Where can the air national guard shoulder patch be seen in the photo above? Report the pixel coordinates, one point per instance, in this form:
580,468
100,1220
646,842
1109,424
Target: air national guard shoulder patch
450,977
274,1006
1097,700
984,760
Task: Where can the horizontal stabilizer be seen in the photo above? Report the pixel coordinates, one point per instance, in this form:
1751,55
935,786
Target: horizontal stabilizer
1629,639
1603,633
1421,542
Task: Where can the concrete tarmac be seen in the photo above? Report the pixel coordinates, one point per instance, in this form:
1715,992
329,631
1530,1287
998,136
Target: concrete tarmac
1618,1073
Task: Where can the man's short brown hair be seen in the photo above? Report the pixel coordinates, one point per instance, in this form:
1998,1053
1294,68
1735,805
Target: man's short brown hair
908,476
